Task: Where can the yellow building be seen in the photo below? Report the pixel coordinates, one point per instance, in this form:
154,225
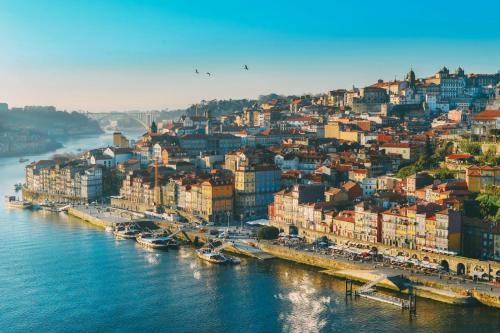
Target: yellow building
334,130
480,177
217,200
119,140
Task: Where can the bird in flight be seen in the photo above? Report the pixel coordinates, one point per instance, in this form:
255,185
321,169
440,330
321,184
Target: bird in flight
246,67
209,74
196,71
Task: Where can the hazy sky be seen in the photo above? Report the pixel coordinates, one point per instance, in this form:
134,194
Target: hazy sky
101,55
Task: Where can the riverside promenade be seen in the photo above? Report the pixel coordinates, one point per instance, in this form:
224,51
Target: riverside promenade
426,286
435,287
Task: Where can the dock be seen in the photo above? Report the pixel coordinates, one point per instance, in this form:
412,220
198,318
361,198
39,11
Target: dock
243,246
369,291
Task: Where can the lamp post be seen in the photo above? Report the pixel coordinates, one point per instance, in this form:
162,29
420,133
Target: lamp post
228,216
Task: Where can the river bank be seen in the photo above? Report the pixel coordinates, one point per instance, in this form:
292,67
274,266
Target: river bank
425,286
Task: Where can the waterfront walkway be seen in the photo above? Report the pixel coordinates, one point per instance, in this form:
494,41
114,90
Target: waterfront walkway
441,288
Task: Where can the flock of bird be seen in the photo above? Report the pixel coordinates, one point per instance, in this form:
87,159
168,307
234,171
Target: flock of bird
245,67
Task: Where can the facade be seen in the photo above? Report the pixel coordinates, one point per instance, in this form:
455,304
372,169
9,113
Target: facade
484,122
367,223
422,227
216,200
408,151
254,190
74,181
479,178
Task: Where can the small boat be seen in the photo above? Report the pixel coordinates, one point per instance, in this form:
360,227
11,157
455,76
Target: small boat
12,202
211,256
22,160
127,232
154,241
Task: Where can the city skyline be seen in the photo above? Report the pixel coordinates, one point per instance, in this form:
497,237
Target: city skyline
72,57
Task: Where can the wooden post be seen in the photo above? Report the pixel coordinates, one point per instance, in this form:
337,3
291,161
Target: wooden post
413,302
348,287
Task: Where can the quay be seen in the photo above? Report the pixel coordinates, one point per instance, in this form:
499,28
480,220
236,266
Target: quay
429,287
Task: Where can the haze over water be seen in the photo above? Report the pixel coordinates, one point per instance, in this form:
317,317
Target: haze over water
59,274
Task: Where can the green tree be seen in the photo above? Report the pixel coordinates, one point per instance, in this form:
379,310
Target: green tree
444,173
426,157
268,232
154,128
406,171
472,148
445,149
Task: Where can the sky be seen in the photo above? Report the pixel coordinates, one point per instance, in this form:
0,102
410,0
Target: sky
104,55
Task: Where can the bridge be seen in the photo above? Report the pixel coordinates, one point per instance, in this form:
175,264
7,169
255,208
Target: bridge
143,119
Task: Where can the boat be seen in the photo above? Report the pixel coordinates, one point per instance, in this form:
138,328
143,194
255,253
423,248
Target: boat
22,160
126,232
214,255
155,241
12,202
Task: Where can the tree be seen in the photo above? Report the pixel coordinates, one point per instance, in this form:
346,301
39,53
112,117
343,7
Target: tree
445,149
472,148
406,171
443,174
268,232
425,160
154,128
489,157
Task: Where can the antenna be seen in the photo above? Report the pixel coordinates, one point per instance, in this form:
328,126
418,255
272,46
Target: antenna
157,189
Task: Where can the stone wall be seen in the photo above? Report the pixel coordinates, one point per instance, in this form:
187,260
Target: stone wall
454,262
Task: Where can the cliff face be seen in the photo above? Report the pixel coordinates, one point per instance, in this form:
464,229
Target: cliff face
37,130
25,142
46,121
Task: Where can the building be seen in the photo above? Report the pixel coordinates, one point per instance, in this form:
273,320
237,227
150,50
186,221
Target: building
284,210
367,223
481,239
342,224
216,200
120,141
73,181
479,178
484,122
422,227
254,189
408,151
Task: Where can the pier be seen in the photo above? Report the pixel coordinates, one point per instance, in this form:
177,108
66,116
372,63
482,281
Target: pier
369,291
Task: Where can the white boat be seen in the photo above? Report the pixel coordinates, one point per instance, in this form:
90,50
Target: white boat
211,256
12,202
215,256
154,241
127,232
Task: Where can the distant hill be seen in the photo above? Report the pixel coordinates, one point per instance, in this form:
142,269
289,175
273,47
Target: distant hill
48,121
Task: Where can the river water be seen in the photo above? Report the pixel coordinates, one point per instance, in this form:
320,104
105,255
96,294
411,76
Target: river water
58,274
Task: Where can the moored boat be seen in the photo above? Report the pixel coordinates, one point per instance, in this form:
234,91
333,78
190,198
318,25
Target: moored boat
153,241
211,256
12,202
127,232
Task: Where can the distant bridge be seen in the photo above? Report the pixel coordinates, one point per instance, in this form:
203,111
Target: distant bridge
145,119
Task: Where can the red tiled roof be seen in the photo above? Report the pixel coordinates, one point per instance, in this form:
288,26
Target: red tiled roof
458,156
487,115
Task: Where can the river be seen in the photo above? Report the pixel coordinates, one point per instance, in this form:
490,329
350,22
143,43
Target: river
59,274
